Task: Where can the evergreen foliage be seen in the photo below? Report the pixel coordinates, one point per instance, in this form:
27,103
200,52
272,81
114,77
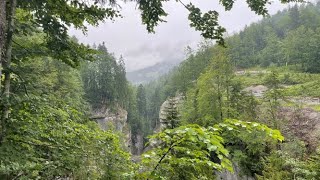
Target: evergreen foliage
104,80
45,130
170,116
50,136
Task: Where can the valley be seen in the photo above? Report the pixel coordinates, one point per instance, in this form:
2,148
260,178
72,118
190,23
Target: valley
240,106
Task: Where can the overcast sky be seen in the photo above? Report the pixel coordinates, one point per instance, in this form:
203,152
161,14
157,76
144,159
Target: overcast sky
129,38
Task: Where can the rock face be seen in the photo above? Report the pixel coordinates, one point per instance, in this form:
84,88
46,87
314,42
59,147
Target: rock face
117,120
257,91
168,110
226,175
171,102
105,118
302,123
113,120
137,144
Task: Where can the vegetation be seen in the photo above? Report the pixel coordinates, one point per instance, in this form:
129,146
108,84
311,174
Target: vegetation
193,152
212,81
50,86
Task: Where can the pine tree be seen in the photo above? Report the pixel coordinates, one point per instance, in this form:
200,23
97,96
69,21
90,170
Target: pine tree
170,116
141,101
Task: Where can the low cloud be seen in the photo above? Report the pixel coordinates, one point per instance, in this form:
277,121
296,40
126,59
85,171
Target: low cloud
128,37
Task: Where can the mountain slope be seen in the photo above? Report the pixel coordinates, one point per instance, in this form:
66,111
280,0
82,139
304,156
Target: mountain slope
148,74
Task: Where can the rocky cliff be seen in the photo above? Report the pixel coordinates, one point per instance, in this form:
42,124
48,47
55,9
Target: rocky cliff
116,120
113,120
169,112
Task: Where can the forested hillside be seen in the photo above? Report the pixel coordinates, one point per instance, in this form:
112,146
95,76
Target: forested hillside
279,40
246,107
279,53
275,41
148,74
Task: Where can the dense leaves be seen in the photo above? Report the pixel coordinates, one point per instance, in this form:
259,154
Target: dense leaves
104,80
194,152
49,136
279,40
56,17
153,13
206,23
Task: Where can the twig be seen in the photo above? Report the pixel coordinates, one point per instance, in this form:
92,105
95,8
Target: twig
183,4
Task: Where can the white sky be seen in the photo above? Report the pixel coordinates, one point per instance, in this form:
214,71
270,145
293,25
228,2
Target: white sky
129,38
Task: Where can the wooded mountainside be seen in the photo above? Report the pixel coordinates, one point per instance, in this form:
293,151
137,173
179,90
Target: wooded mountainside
280,53
252,105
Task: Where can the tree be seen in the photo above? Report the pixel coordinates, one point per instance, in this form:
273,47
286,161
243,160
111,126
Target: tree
213,92
104,80
50,136
294,16
154,103
271,54
273,97
55,25
2,38
134,120
194,152
55,17
141,101
297,41
170,117
122,83
6,65
242,104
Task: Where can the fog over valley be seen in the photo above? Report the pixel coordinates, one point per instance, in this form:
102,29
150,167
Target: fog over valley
128,37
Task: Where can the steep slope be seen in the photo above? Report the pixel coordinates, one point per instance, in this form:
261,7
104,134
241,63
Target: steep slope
148,74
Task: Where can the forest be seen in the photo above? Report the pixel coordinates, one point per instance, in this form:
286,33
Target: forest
241,106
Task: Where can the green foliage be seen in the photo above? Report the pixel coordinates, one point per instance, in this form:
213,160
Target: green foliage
184,152
206,23
248,149
281,166
152,13
287,38
44,142
216,94
55,18
133,115
49,136
153,106
104,80
194,152
170,113
51,81
242,104
313,163
141,101
275,168
273,97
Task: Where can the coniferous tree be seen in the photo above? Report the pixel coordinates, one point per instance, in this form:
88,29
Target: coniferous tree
170,115
141,101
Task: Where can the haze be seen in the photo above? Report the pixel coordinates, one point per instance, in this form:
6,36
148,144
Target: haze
129,38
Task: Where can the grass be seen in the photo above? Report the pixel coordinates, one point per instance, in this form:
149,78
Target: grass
298,83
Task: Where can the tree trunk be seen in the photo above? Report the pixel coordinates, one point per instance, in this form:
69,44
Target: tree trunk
228,97
2,34
6,63
3,22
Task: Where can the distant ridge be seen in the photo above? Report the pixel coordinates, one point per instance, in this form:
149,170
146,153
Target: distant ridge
150,73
